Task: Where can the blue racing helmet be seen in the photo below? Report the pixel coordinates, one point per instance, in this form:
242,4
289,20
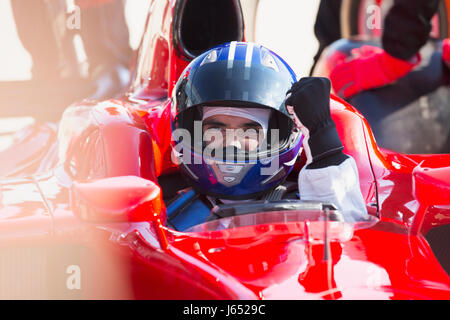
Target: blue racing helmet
236,87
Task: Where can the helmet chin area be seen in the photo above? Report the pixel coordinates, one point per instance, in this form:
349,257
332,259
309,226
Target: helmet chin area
230,174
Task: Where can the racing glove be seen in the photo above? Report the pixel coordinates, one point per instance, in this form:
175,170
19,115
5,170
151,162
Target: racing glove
446,51
308,101
369,67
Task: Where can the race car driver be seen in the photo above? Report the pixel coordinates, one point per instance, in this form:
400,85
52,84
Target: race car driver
406,29
241,120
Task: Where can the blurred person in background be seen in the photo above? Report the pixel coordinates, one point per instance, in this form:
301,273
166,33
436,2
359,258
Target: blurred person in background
327,27
43,28
406,30
105,36
35,28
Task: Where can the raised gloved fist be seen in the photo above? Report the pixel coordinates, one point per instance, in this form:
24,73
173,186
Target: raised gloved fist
369,67
309,99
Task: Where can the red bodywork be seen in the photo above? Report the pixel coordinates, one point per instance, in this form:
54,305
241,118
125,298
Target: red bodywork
96,212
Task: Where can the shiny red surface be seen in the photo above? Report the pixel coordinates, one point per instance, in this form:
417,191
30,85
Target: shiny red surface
140,258
122,198
431,185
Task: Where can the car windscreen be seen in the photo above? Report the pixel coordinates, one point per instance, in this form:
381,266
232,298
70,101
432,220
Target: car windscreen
310,224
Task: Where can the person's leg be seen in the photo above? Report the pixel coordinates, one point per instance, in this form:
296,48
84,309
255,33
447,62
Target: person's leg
105,35
327,27
35,30
117,31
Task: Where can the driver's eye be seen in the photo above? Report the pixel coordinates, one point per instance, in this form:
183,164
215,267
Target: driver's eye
212,130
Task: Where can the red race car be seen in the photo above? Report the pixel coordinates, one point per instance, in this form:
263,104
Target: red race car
83,212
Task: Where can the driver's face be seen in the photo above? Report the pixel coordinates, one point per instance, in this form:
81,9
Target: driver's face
239,132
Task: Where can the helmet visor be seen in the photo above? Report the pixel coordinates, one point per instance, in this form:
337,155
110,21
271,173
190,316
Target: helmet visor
233,133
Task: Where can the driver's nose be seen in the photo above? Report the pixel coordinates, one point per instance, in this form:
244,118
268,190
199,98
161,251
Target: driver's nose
233,142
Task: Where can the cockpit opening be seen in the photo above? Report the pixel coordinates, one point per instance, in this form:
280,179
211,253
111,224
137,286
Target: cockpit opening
203,24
